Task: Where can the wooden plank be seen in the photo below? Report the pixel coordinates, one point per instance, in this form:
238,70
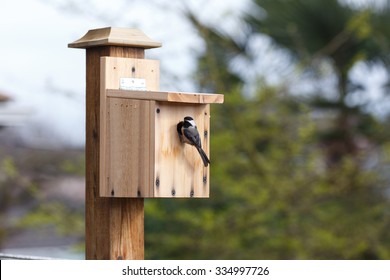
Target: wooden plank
128,150
179,170
152,147
201,98
117,68
169,96
108,235
126,130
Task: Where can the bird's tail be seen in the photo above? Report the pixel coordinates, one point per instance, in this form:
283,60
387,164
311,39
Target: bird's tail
203,155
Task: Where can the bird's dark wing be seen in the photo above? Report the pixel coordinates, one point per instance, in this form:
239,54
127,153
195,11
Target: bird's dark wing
192,134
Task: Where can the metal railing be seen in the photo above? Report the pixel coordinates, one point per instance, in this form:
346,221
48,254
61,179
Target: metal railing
21,257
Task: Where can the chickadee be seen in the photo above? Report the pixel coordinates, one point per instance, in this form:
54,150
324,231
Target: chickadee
188,133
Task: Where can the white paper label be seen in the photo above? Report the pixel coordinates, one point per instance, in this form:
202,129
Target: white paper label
132,84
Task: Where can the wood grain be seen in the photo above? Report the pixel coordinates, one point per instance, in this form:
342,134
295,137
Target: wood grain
127,158
179,170
126,130
127,218
169,96
105,228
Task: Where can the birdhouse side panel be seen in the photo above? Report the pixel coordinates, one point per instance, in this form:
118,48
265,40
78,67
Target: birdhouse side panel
179,169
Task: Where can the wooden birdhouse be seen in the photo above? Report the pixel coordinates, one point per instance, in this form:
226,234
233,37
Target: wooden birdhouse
132,145
141,153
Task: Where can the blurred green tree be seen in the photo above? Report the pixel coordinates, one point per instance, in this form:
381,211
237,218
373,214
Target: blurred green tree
340,36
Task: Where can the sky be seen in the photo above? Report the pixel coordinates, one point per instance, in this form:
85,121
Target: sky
46,79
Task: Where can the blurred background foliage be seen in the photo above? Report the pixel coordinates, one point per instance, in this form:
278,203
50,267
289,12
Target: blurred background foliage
300,165
29,200
295,175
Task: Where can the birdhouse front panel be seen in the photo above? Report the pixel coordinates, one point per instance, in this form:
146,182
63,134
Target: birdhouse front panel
178,169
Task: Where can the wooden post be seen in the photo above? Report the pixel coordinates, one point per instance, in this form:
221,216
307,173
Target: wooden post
114,226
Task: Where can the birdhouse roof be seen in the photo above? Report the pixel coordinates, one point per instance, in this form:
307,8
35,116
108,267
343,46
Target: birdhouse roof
114,36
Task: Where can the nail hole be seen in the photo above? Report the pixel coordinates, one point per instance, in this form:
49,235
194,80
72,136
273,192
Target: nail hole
173,192
158,110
